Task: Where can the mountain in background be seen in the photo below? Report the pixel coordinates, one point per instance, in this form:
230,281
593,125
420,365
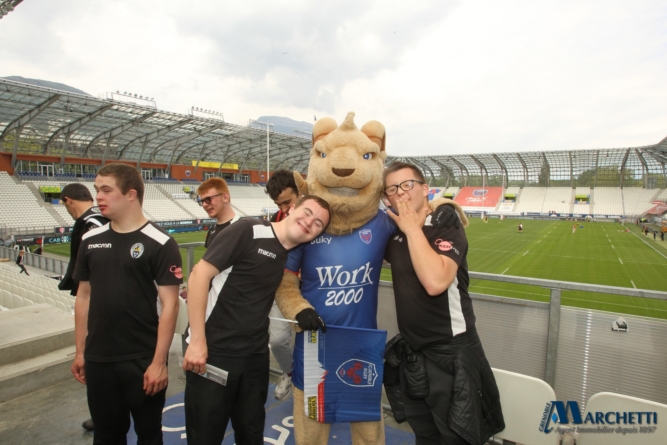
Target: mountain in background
46,84
286,125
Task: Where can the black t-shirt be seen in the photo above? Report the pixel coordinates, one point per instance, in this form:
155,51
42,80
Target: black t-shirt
124,270
251,262
90,219
214,230
422,319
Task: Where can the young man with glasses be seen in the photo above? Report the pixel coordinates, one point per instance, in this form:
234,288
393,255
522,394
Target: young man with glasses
436,320
214,198
80,205
231,291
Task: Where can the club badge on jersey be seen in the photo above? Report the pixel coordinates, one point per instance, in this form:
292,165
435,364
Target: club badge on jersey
343,374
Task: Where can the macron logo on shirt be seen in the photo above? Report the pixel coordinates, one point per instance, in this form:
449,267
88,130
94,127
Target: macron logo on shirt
100,246
267,253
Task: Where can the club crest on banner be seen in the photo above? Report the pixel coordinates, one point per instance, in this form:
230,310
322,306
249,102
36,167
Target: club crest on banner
357,373
479,192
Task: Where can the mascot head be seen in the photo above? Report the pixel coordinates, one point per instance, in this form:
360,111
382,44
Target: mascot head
345,169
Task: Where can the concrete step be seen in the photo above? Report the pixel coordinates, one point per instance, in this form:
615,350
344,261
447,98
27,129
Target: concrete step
33,331
33,374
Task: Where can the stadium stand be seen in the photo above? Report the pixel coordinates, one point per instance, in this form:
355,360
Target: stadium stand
531,200
558,199
17,196
608,201
478,197
638,200
20,290
453,190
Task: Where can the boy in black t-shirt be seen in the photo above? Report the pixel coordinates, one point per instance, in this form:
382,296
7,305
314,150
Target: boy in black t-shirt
436,319
129,272
230,294
282,189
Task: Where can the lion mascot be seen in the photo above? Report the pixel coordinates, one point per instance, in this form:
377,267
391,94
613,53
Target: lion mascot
345,169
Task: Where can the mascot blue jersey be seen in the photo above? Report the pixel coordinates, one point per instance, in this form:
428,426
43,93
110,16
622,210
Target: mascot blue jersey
340,277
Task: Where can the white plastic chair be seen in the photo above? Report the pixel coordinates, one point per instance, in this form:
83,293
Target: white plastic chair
18,302
523,399
7,299
609,401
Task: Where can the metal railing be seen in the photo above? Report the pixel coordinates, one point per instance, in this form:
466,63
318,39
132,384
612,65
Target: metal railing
559,344
47,263
554,305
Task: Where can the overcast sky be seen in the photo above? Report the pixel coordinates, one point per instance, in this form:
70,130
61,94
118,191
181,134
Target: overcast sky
444,77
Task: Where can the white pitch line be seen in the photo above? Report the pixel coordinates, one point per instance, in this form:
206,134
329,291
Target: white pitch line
612,246
526,253
505,271
538,241
633,284
665,257
620,260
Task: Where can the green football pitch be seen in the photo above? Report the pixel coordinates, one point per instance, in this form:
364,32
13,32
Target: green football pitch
597,253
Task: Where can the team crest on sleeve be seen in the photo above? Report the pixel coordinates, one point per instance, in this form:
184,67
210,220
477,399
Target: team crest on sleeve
366,235
137,250
357,373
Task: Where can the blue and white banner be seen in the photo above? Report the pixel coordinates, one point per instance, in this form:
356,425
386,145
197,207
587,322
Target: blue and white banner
343,374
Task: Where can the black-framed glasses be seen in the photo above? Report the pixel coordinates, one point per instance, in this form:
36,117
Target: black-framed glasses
405,186
207,200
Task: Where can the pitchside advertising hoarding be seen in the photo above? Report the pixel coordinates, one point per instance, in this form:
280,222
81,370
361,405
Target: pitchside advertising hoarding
163,224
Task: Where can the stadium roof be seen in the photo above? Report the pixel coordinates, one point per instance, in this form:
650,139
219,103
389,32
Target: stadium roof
69,124
551,167
56,122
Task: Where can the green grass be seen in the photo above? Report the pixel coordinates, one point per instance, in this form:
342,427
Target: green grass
600,253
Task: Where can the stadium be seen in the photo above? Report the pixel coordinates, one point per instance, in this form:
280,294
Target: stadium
575,302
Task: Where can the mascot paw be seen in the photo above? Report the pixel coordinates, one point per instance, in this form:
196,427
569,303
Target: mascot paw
310,320
445,216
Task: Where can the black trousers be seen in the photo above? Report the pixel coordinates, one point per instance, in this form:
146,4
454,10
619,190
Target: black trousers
23,269
115,390
209,406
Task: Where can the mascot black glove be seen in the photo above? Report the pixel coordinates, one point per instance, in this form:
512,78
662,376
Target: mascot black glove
310,320
445,216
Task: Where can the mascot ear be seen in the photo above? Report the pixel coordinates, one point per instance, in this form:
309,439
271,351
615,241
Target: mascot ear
323,127
376,133
300,183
